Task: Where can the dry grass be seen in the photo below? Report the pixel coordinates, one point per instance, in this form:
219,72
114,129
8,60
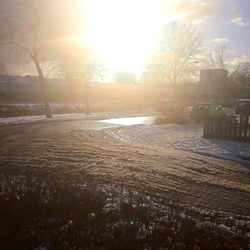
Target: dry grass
59,214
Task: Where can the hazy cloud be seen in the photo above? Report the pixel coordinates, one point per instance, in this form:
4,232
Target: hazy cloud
239,21
196,11
220,40
238,60
236,14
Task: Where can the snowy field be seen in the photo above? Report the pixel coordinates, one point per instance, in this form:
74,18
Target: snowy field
184,137
141,130
141,157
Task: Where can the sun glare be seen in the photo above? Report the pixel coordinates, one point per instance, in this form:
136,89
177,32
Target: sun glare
124,32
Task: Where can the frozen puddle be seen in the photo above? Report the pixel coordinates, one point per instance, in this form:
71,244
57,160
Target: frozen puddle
144,120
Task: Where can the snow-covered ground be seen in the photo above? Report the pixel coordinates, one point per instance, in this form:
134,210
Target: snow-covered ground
145,161
61,117
69,117
184,137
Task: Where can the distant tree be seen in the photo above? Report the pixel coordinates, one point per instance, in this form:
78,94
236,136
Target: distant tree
242,74
74,64
61,69
155,74
124,77
28,28
3,68
218,58
180,43
89,72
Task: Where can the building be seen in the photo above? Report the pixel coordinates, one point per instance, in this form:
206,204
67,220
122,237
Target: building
212,84
242,111
28,86
214,77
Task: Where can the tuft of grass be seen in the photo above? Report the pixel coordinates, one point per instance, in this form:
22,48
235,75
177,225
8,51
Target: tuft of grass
63,214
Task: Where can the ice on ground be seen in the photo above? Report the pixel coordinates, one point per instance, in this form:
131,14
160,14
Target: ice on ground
65,117
184,137
76,116
42,118
128,121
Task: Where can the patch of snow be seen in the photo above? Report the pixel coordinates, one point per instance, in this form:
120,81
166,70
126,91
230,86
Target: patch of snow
184,137
68,117
224,229
60,117
40,248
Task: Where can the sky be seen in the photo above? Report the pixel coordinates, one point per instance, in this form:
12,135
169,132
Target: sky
125,33
227,23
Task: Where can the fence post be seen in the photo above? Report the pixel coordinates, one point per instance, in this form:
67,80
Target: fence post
208,128
227,128
205,129
235,128
230,123
240,129
245,127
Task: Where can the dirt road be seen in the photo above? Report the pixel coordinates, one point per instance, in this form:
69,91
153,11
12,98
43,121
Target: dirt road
87,150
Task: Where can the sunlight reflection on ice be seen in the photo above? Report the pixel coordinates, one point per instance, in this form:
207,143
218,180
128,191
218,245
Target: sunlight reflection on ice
147,120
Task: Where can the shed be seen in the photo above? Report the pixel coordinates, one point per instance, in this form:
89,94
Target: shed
243,110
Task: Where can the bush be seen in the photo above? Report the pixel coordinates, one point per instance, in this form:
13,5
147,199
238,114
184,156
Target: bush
172,119
227,103
170,107
201,112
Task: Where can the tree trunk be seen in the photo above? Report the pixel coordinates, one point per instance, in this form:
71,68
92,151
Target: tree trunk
174,83
86,97
43,85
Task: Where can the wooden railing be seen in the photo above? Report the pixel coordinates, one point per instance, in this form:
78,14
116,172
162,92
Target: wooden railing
226,128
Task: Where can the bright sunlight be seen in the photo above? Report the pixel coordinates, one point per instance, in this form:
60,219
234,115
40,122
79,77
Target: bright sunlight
124,33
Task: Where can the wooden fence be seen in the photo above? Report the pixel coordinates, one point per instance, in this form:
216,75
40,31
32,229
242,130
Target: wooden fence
227,128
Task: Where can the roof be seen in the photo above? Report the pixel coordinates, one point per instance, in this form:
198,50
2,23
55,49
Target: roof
243,107
225,70
243,100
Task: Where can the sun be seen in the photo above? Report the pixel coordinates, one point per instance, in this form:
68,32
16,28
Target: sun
124,32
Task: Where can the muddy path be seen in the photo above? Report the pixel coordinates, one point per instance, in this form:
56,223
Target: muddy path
87,150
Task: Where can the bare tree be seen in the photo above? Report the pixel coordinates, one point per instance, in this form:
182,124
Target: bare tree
89,72
61,70
124,77
73,65
218,58
180,43
242,74
26,25
3,68
155,74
